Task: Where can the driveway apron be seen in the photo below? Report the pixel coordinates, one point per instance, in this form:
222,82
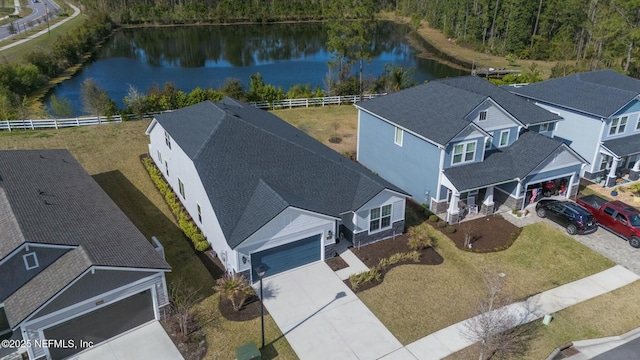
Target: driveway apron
322,318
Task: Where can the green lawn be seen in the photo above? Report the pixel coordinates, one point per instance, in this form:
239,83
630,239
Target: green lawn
434,297
110,153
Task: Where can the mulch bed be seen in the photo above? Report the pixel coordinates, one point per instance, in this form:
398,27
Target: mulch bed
249,311
489,234
336,263
371,255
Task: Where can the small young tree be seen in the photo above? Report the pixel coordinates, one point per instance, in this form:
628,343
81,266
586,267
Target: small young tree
183,299
496,327
61,107
234,287
95,99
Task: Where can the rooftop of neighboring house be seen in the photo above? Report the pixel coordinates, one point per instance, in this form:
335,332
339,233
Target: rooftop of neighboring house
599,93
254,165
438,110
48,199
508,163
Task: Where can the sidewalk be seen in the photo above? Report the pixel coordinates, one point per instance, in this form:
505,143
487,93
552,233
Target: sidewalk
451,339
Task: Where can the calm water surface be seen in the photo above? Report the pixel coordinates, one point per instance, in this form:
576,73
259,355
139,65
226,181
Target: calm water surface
206,56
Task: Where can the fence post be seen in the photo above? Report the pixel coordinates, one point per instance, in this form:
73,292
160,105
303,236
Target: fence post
31,121
55,123
9,125
77,121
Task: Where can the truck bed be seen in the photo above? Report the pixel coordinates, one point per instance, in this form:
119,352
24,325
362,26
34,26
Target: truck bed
594,201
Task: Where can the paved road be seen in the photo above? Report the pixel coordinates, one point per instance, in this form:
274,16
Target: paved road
39,10
628,351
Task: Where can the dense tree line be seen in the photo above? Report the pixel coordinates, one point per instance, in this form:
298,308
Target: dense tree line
580,34
22,78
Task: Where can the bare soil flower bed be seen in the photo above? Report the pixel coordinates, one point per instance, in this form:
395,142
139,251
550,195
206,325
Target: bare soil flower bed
488,234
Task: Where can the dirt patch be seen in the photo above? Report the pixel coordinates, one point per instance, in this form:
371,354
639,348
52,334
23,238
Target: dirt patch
625,193
336,263
487,234
192,346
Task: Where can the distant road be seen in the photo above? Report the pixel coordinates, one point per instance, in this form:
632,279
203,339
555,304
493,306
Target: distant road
39,11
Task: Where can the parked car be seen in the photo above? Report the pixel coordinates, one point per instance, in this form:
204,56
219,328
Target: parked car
575,218
615,216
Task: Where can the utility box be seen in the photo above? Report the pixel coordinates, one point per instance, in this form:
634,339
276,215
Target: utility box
248,351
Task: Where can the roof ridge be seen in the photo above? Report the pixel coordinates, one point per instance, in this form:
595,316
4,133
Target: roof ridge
213,131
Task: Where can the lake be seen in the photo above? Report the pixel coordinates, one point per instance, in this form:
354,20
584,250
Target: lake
206,56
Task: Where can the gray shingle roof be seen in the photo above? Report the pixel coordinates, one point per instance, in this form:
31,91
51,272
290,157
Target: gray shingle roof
502,165
628,145
253,165
599,93
424,109
50,199
45,285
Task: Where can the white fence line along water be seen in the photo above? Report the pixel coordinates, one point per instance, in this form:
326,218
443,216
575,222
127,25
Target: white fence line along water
33,124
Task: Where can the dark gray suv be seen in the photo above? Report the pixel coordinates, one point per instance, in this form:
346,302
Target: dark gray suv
575,218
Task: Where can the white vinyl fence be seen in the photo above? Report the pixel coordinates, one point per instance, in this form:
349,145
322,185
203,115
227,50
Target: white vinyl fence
93,120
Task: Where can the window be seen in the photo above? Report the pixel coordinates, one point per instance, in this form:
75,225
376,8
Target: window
159,157
504,138
604,162
618,125
465,152
30,261
483,116
638,124
167,139
609,211
166,167
4,323
199,213
546,127
399,136
181,187
380,218
488,142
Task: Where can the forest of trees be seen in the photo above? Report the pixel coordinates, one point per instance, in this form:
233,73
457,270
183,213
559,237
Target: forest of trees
580,34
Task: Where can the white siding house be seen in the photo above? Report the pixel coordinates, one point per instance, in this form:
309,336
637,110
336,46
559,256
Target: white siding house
263,192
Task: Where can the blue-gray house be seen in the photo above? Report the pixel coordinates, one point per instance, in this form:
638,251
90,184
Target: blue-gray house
601,111
461,140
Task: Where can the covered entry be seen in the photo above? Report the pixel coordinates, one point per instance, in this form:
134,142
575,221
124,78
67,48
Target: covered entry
102,324
288,256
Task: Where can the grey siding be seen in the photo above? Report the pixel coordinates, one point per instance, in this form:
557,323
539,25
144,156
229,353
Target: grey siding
14,274
91,285
413,167
364,238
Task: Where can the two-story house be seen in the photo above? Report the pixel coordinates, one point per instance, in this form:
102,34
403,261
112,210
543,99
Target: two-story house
464,138
74,270
266,194
601,111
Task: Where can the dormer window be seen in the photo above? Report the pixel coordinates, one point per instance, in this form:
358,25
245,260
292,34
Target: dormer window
546,127
463,153
504,138
618,125
30,261
399,136
483,116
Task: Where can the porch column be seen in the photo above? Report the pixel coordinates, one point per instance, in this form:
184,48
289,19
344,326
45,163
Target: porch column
453,214
634,174
611,178
488,204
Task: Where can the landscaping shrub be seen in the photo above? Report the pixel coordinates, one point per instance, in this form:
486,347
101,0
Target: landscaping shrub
441,224
234,287
420,237
185,222
433,218
365,277
450,229
375,272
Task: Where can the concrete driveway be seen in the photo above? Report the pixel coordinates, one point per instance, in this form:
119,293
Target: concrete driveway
322,318
148,341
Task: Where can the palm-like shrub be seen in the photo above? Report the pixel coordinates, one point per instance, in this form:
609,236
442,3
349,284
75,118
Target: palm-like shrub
234,287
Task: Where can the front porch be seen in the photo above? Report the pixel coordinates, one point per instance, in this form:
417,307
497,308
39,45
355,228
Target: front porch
618,162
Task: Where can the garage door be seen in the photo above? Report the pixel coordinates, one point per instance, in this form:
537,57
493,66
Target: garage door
288,256
102,324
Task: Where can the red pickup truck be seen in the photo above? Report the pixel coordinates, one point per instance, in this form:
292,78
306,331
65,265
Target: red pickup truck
615,216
